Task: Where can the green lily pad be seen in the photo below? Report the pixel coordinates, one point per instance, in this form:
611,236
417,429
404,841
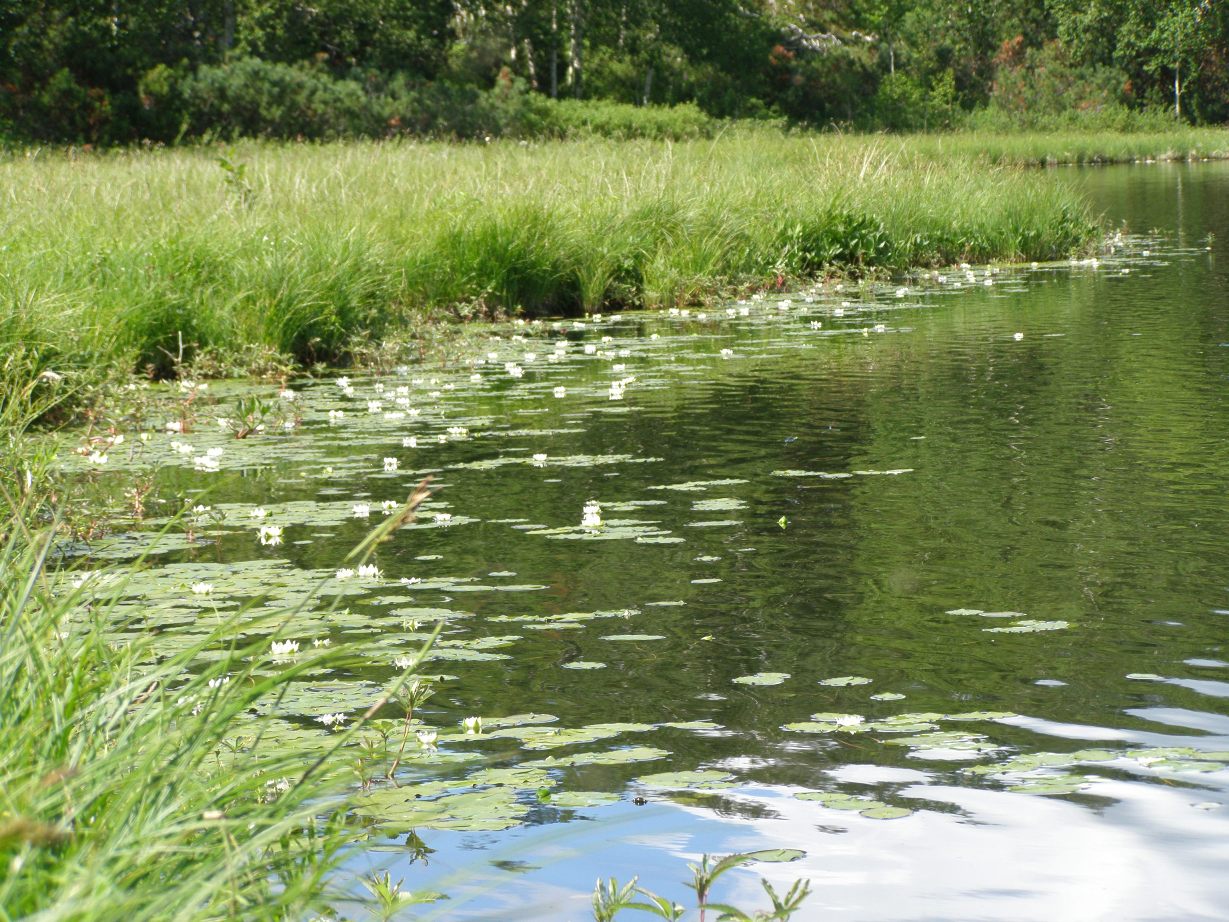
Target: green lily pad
845,680
762,678
705,779
775,855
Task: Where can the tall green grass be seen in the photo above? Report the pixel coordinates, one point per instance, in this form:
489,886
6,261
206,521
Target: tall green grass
112,801
141,257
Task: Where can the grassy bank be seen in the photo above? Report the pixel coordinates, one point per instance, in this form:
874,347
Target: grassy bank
142,258
1179,142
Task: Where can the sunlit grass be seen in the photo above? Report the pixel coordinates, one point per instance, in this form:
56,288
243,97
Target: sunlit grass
145,258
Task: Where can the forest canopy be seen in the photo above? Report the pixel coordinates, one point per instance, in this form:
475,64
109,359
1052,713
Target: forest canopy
165,70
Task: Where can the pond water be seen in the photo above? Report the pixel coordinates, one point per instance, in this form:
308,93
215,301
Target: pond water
930,584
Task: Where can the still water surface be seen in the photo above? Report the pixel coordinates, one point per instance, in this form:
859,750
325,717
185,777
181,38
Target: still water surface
1010,551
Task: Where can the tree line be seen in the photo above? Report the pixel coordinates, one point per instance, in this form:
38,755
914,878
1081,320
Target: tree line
101,71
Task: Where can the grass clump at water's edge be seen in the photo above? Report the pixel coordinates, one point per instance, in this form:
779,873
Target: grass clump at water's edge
140,259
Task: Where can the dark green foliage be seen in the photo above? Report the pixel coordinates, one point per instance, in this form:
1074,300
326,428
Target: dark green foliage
87,71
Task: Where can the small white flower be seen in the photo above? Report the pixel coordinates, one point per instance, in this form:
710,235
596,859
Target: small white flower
332,720
344,573
472,725
403,662
361,510
390,465
285,647
271,534
1017,336
880,328
458,432
206,463
727,353
616,390
378,387
530,358
409,441
202,588
590,348
443,518
514,370
97,457
288,395
369,571
850,720
198,509
426,738
259,512
561,345
374,406
343,382
321,642
816,325
389,506
560,392
591,516
219,681
539,458
336,416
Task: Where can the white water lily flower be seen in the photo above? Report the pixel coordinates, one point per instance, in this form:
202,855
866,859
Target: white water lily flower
880,328
409,441
361,510
271,534
427,738
97,457
816,325
850,720
321,642
206,463
343,382
374,406
458,432
331,720
390,465
1017,336
472,725
344,573
369,571
389,506
259,512
590,348
403,662
727,353
514,370
336,416
198,509
591,516
616,390
539,458
530,358
202,588
219,681
285,647
560,392
443,518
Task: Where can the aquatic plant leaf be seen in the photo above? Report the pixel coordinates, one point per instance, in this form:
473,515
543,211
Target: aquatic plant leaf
762,678
845,680
704,779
